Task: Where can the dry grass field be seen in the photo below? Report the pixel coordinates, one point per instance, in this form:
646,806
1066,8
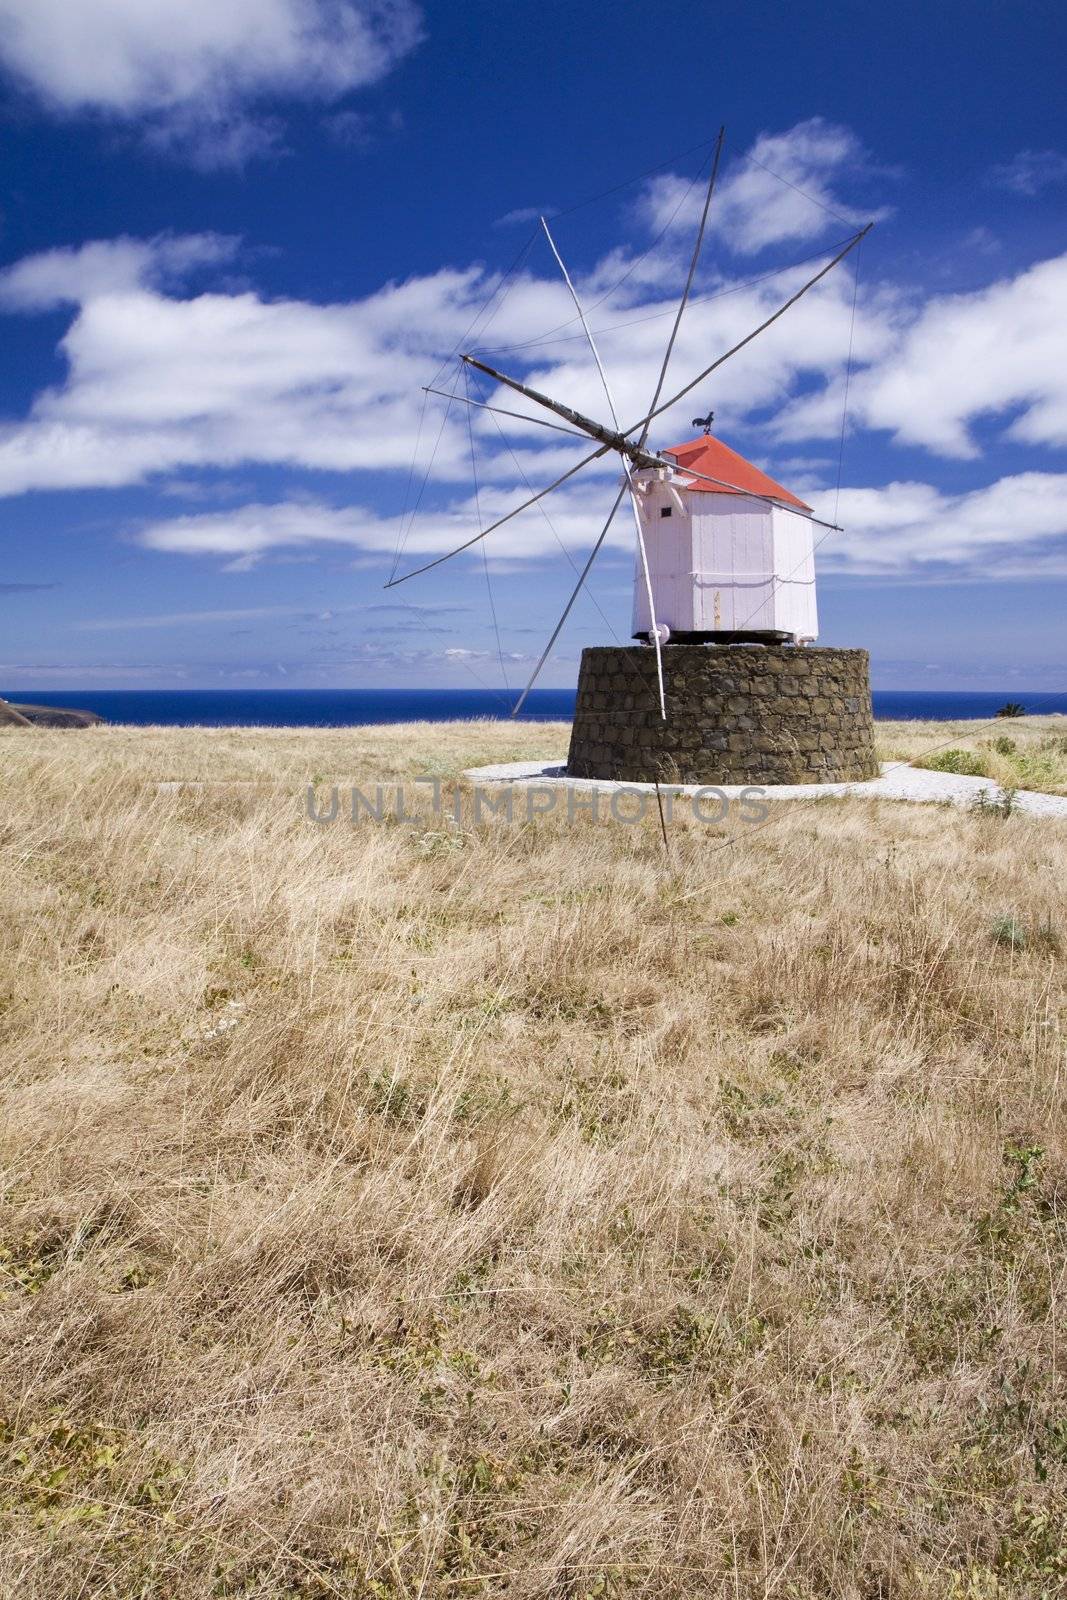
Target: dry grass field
1021,753
423,1209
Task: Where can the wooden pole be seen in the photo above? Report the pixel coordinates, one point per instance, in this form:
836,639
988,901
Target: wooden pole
634,507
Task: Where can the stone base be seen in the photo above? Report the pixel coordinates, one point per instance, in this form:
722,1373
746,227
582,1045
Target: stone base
735,714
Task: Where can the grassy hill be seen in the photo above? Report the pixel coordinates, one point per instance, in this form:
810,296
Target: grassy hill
434,1209
9,717
21,714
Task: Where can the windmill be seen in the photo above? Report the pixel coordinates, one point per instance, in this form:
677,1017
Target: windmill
724,555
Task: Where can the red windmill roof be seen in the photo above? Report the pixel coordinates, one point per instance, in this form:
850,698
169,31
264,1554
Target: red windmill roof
717,460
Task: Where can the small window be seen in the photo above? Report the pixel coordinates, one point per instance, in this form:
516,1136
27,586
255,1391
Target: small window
665,511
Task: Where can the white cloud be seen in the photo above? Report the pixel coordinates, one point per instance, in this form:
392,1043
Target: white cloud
161,382
997,352
524,214
784,190
194,71
250,532
1013,527
986,353
352,129
186,619
253,530
1030,171
30,673
158,383
1008,528
107,266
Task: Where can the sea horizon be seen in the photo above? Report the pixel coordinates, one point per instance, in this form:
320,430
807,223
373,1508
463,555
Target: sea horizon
342,708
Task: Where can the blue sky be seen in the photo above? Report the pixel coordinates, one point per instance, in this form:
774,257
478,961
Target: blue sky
235,240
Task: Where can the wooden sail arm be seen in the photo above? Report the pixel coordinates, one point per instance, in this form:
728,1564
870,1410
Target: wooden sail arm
570,603
498,411
643,459
654,631
596,430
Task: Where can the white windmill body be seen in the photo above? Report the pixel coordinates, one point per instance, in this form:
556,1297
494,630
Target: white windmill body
730,552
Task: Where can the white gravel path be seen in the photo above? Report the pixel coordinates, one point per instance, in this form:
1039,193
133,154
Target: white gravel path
898,781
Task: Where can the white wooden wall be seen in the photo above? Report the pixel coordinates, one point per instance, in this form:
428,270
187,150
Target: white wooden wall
669,542
733,565
794,566
726,563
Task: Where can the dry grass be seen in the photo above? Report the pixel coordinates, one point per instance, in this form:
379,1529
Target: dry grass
427,1210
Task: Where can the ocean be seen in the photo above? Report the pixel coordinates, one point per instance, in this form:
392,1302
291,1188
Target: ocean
342,708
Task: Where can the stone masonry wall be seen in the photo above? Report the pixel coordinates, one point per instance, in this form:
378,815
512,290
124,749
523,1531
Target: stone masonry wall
735,714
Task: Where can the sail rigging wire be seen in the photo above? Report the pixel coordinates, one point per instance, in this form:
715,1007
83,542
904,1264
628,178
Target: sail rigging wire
605,619
688,285
665,406
582,319
643,680
615,287
849,222
782,309
408,485
555,484
485,558
830,527
484,308
541,508
789,184
628,183
566,212
521,701
405,533
848,380
656,316
653,625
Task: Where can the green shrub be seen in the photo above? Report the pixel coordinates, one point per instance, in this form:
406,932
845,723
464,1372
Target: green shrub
1010,931
968,763
1042,937
1038,770
988,802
